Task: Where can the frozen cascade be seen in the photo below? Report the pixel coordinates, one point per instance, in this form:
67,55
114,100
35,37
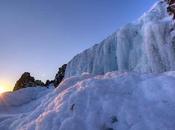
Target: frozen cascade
146,45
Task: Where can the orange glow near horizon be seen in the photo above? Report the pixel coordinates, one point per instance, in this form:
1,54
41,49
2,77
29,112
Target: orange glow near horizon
4,88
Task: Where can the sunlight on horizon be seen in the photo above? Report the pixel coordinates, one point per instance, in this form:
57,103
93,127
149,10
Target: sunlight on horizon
4,88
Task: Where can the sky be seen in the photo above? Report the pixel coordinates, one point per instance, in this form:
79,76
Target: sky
38,36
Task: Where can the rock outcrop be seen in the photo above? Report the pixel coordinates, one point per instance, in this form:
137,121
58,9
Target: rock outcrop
171,7
49,83
27,80
60,75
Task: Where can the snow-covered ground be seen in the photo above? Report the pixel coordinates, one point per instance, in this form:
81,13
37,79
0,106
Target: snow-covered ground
130,98
114,101
146,45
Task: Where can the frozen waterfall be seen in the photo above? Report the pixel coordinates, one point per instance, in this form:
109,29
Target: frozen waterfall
146,45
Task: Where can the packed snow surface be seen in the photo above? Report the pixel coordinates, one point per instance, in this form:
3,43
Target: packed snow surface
114,101
147,45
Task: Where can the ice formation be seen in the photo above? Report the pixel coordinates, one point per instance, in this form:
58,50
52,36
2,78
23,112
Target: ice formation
118,100
114,101
146,45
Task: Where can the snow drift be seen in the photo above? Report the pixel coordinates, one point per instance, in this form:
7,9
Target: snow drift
146,45
114,101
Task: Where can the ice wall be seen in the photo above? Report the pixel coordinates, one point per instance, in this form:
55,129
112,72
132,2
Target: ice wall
146,45
99,59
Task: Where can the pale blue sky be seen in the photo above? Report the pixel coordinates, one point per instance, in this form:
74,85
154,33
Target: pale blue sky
38,36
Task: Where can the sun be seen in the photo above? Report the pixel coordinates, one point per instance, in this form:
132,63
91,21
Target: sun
2,89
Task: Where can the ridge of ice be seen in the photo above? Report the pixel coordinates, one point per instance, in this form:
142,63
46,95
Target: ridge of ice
146,45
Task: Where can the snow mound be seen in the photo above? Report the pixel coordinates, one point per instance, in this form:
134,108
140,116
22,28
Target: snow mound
114,101
146,45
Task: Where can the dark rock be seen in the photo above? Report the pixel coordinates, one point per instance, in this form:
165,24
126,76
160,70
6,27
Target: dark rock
104,127
48,82
114,119
60,75
170,2
72,107
171,7
39,83
26,80
109,129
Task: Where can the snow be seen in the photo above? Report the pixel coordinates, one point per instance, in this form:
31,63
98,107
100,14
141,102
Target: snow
114,101
91,97
146,45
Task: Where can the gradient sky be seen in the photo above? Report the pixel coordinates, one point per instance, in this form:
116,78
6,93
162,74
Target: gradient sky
38,36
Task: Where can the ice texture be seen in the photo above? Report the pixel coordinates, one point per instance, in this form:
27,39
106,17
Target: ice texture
124,99
114,101
147,45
